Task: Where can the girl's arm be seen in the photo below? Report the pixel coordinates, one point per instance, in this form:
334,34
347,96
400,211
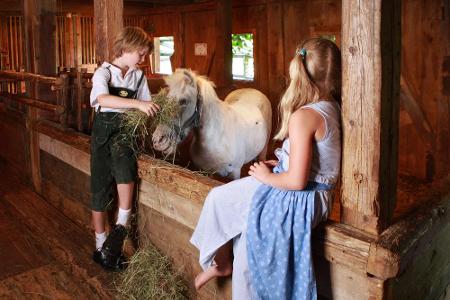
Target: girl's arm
303,125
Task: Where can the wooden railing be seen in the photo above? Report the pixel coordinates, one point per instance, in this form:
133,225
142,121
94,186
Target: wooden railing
70,100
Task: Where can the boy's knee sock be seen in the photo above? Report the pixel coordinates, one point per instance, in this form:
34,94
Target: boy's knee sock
122,216
100,238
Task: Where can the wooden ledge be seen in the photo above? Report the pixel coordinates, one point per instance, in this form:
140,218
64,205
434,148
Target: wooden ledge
68,136
179,194
398,245
178,180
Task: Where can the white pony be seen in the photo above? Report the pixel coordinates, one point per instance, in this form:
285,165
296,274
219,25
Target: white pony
227,134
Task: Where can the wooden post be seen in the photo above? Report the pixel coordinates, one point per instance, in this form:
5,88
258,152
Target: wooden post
40,29
64,100
108,21
80,98
370,103
223,56
79,45
276,55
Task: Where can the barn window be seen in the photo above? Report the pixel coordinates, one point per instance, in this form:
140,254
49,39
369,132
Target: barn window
243,63
160,59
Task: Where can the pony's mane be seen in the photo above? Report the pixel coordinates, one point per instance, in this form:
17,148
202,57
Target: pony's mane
182,78
206,88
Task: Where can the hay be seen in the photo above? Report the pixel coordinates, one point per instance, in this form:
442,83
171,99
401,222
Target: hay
149,276
136,126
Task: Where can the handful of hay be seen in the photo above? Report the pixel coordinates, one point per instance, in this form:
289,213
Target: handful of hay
136,125
149,276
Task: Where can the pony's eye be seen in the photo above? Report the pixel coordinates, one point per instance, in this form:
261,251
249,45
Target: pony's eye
183,102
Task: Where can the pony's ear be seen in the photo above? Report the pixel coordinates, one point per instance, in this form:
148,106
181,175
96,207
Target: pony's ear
188,77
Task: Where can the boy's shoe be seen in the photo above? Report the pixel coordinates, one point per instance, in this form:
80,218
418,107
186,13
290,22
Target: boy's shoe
109,263
114,242
110,256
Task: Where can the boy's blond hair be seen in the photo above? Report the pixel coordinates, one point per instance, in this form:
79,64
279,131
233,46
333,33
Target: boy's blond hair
131,39
315,74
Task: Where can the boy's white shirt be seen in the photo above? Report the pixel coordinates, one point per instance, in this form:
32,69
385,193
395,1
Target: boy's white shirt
129,81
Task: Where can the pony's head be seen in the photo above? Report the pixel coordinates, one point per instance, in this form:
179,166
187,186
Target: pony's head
187,89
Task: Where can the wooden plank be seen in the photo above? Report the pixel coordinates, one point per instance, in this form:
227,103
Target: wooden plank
342,244
429,275
53,230
79,45
108,16
19,249
169,204
443,106
275,56
175,179
172,238
341,282
66,152
399,246
407,100
371,73
222,59
33,143
72,182
72,208
80,99
48,282
13,152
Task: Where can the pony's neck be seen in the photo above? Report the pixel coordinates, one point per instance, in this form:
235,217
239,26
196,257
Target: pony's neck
212,117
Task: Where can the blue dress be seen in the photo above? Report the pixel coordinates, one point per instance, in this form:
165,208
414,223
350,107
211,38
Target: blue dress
279,241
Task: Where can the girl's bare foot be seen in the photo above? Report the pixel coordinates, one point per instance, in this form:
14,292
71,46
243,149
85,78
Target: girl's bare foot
212,272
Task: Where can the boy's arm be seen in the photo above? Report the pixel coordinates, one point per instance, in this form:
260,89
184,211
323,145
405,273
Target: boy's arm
100,96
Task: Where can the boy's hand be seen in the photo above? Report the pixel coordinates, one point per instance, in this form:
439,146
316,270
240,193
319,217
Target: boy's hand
148,107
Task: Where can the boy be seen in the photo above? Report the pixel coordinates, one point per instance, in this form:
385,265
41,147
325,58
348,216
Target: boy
116,87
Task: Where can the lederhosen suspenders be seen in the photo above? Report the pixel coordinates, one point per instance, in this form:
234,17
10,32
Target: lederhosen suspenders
120,91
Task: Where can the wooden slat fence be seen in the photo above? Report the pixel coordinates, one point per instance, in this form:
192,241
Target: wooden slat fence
11,50
75,42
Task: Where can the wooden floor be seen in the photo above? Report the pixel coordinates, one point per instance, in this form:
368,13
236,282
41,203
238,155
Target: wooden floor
43,255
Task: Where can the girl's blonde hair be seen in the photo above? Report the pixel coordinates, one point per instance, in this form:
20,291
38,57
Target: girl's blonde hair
132,39
315,73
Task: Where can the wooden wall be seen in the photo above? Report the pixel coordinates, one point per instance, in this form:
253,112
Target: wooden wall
424,118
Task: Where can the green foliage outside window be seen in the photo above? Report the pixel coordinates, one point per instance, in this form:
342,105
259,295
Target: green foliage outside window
242,49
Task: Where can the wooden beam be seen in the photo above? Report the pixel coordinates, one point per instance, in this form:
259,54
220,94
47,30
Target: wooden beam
370,101
108,22
276,54
420,122
40,29
399,247
223,57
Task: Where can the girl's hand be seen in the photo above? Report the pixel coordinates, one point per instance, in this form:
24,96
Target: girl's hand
148,107
260,171
271,163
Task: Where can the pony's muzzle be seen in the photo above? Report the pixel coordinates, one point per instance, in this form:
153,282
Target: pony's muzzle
161,140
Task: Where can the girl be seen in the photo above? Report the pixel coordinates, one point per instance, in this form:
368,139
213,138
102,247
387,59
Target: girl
266,219
116,87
